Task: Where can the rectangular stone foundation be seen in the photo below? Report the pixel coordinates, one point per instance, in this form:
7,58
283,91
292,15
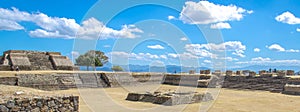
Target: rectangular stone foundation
169,98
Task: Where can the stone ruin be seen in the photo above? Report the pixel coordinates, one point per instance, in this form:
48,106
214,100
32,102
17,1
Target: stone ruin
41,104
34,60
192,72
204,71
170,98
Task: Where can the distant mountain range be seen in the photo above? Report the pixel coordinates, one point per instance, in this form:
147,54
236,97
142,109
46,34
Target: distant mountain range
178,69
147,68
264,67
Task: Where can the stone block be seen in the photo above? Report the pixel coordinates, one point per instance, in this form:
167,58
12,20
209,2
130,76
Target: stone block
290,72
134,96
229,72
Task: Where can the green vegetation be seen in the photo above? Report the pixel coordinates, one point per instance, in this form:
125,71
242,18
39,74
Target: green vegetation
92,58
117,68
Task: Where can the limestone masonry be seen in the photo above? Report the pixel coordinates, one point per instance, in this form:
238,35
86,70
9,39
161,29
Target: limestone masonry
41,104
34,60
55,81
170,98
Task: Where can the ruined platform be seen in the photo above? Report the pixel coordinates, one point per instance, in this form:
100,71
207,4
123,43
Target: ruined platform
35,60
170,98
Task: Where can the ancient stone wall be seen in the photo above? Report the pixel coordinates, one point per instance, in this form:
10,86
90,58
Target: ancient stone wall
117,79
41,104
293,86
273,84
9,80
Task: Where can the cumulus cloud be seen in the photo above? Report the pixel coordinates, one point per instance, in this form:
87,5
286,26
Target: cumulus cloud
256,50
236,47
92,28
155,47
288,17
198,49
171,17
278,48
298,29
220,25
173,55
163,56
10,25
56,27
205,12
261,59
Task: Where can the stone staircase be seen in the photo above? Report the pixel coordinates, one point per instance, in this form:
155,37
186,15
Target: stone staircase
40,61
88,80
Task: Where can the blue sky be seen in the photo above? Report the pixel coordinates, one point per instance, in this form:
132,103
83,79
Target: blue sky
190,33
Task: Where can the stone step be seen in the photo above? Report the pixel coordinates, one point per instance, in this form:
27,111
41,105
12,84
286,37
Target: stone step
88,80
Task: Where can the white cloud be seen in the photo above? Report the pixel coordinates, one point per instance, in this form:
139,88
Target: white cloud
226,58
207,61
271,62
292,50
47,34
92,29
198,49
298,29
288,17
171,17
10,25
236,47
205,12
277,47
135,56
256,50
239,53
173,55
183,39
261,59
155,47
56,27
163,56
184,56
220,25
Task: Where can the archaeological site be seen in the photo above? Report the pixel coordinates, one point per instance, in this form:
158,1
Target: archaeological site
68,77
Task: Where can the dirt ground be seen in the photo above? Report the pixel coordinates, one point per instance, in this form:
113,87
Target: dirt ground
228,100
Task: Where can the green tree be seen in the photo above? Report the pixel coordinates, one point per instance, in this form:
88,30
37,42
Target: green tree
117,68
92,58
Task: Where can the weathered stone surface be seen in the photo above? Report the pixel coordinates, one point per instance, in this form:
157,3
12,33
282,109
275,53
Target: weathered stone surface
229,72
290,72
255,83
169,98
3,108
41,104
134,96
33,60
